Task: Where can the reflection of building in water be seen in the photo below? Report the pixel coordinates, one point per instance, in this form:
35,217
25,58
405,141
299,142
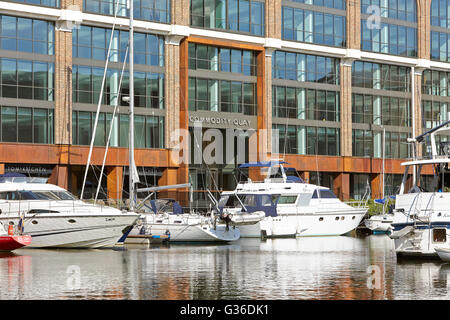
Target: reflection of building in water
15,273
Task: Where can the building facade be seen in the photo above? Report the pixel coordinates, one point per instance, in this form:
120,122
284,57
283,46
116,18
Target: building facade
326,83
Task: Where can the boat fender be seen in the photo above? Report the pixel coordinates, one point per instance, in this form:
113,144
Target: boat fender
11,230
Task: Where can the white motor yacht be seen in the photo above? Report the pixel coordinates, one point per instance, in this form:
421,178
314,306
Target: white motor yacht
422,211
55,218
292,208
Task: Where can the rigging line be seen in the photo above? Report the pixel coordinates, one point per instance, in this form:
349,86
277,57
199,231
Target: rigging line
100,100
116,107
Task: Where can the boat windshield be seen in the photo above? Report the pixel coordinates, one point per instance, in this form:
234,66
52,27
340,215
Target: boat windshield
36,195
229,201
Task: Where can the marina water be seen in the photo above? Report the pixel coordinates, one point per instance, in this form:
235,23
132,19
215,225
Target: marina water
303,268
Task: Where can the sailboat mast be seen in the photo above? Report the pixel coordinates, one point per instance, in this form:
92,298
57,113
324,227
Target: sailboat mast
131,114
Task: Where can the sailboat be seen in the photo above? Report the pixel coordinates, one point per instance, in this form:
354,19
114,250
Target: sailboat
165,218
381,223
189,227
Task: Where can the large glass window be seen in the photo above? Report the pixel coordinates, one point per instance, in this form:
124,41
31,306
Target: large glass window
245,16
435,83
27,35
222,79
393,9
435,103
45,3
27,125
396,30
434,113
362,143
440,13
148,86
149,130
381,110
222,95
93,43
222,59
294,139
389,38
304,67
359,186
27,79
150,10
381,76
308,104
316,27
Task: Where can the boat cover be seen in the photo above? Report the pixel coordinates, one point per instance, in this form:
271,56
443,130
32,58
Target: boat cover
261,164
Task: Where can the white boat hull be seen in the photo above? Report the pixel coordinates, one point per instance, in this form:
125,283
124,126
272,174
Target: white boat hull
443,253
418,242
196,233
378,224
187,229
305,225
82,231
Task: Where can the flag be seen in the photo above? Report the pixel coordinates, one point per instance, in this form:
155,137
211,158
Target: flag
20,224
135,174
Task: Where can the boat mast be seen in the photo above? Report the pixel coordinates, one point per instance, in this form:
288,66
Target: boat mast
131,114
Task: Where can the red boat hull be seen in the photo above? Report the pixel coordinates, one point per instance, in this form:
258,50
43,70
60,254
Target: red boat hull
9,243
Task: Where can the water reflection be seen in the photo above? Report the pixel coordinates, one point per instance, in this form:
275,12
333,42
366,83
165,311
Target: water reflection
305,268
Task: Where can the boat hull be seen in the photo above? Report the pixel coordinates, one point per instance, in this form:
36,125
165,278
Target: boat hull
10,243
305,225
416,241
194,233
443,253
378,226
75,231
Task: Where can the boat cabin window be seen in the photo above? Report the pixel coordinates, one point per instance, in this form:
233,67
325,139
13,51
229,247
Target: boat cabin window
324,194
439,235
304,199
64,195
267,200
36,195
287,199
9,195
229,201
249,200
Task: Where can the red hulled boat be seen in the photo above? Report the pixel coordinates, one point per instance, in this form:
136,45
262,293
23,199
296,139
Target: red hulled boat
9,241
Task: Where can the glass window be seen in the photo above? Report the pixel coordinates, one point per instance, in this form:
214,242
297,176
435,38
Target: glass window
389,38
27,35
246,16
313,26
93,43
287,199
150,10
